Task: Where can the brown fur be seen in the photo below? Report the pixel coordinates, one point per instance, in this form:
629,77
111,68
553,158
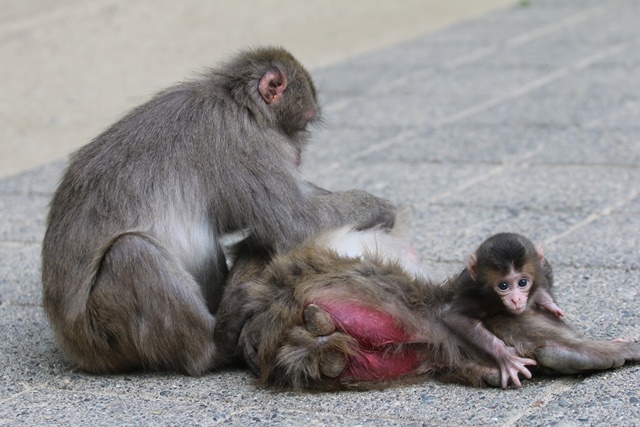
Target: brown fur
286,353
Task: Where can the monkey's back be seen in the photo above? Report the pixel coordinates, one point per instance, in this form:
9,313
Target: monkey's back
377,304
113,184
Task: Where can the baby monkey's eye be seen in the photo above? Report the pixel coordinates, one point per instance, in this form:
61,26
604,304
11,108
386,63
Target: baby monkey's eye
523,283
503,286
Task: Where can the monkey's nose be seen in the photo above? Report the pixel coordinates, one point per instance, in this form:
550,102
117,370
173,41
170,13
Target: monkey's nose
310,114
518,303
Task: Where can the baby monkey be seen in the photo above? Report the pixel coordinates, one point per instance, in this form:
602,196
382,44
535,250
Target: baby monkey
506,273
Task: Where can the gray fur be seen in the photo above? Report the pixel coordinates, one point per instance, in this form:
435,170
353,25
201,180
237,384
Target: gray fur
132,267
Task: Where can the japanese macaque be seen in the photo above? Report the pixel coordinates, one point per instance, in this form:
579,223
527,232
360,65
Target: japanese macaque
132,266
352,309
506,273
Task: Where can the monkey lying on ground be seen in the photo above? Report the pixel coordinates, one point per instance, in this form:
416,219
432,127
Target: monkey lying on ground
346,309
132,267
506,273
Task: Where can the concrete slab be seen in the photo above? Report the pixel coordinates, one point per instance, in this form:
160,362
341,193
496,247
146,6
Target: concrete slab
72,67
524,119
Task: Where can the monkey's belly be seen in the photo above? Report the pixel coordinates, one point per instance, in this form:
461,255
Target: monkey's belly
384,348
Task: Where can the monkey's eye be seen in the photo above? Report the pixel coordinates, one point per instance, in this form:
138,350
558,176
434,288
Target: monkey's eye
523,283
503,286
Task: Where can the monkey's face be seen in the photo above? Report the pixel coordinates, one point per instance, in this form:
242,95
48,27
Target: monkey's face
299,106
288,91
513,289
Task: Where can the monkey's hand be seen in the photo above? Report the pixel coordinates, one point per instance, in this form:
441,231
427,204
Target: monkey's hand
553,309
546,302
511,365
363,210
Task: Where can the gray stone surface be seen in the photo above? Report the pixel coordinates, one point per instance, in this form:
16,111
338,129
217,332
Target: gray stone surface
527,119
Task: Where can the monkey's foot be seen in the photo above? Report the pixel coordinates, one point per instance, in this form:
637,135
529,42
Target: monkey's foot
493,378
568,361
332,364
381,351
318,321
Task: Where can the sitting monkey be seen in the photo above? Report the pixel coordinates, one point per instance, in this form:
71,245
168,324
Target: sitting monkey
132,263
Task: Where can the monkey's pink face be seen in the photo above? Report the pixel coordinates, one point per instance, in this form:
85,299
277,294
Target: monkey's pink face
513,290
309,115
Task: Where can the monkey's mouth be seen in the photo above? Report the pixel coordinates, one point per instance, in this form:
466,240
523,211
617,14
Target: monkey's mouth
517,310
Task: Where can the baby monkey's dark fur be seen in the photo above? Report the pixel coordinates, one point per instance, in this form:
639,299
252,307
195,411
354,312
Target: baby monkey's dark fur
507,273
495,259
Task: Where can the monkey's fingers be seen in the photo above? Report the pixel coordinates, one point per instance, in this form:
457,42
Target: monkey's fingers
318,321
513,375
332,364
514,367
552,308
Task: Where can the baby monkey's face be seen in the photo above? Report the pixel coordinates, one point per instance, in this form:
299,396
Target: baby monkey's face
513,290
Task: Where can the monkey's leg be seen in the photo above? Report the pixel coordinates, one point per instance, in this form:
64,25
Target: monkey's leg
584,355
145,311
334,345
384,348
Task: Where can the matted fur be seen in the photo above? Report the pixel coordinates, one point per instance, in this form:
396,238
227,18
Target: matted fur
348,267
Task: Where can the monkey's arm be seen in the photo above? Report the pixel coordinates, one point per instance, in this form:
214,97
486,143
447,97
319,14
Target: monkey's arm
358,208
355,207
282,211
474,332
545,301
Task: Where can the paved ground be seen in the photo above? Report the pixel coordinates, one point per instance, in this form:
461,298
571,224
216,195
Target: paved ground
526,120
70,67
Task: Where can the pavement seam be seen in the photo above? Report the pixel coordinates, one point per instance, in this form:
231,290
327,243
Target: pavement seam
554,390
482,177
497,100
608,210
474,56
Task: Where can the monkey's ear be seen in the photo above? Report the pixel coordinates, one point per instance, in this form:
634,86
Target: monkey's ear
472,266
540,251
271,85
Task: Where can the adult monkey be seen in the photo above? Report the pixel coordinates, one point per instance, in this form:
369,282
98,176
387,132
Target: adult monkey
353,309
132,267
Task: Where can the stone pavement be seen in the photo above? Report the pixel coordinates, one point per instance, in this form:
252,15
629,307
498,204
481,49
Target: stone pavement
526,120
70,67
